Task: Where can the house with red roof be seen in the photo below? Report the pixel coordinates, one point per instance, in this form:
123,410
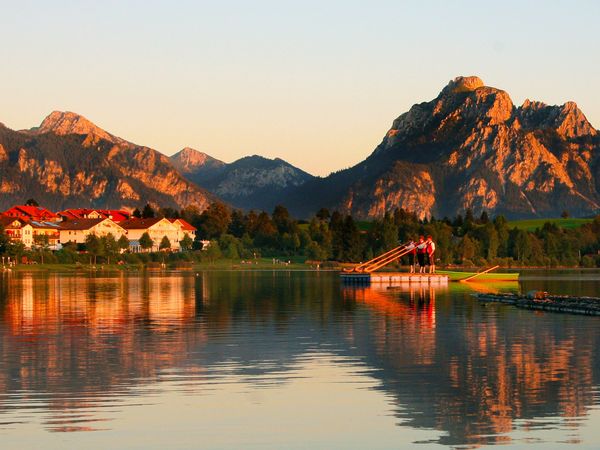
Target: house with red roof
157,228
28,213
116,215
78,230
17,230
184,228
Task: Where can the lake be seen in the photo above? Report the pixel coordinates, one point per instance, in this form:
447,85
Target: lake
290,360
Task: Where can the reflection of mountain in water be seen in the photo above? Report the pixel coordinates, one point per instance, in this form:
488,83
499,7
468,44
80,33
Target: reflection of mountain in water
449,363
487,366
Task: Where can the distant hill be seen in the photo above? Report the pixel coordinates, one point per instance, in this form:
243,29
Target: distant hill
470,147
69,162
252,182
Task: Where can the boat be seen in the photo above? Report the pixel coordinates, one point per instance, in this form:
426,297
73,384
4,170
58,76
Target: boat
456,275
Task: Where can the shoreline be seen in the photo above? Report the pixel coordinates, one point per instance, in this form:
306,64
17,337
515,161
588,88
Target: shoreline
243,267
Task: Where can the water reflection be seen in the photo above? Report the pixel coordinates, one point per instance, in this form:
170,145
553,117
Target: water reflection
80,353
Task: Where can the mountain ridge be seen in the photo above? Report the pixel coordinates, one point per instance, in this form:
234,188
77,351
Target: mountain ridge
470,147
250,182
70,162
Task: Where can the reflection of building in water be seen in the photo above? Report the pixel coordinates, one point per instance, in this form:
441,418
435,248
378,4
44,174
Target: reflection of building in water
104,305
85,329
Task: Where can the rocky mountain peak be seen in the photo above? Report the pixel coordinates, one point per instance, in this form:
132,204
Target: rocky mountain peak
190,160
466,102
463,84
567,120
572,123
66,122
470,147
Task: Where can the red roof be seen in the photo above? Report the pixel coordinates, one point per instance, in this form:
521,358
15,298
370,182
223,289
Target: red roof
80,224
139,224
186,226
115,215
7,221
30,213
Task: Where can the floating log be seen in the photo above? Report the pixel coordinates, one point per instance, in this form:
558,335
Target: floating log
589,306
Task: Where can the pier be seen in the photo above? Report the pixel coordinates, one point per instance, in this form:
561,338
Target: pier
393,278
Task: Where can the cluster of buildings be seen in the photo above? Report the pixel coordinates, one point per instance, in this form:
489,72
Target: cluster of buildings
34,226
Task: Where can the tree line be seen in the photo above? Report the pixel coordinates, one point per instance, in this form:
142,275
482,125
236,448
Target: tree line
332,236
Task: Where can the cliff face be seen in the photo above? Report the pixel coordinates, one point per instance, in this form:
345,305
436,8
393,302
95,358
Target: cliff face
70,162
252,182
472,148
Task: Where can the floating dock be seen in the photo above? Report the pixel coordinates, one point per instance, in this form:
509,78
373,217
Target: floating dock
589,306
393,278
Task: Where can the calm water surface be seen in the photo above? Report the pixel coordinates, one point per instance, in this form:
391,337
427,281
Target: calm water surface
289,360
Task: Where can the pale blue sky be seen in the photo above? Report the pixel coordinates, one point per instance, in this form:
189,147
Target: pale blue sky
317,83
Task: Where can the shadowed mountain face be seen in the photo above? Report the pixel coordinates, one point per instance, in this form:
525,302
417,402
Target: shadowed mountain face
470,148
69,162
252,182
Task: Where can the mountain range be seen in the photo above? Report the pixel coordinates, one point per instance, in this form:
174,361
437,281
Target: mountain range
470,147
69,162
252,182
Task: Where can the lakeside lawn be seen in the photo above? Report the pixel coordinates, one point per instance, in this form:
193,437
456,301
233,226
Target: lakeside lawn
533,224
220,264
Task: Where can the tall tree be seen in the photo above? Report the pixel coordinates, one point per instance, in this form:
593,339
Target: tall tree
214,221
146,241
165,243
110,246
186,243
148,212
352,243
4,241
323,214
123,243
93,246
237,225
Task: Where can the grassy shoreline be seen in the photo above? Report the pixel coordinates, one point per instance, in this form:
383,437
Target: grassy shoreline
255,265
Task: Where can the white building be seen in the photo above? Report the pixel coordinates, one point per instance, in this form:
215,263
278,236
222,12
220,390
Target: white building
18,230
77,230
184,228
156,228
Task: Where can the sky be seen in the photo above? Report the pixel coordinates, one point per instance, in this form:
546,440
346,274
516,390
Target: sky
317,83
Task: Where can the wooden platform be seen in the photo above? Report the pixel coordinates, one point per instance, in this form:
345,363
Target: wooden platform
393,278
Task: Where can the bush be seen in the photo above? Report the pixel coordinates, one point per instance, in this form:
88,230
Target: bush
588,261
132,258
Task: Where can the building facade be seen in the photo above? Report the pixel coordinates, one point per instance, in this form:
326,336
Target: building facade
17,230
76,231
156,228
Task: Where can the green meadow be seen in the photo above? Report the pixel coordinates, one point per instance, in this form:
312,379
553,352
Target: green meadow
533,224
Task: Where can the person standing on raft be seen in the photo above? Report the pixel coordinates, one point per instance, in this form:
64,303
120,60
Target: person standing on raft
430,250
411,247
421,253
